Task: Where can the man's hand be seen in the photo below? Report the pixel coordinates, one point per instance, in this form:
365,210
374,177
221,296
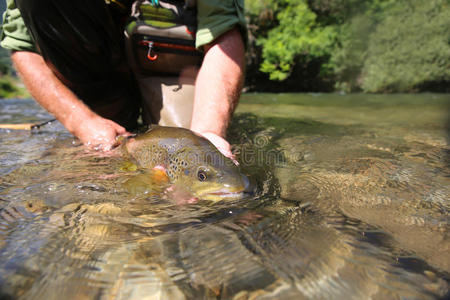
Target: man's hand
221,144
99,133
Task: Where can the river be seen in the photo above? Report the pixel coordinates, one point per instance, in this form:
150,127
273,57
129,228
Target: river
351,201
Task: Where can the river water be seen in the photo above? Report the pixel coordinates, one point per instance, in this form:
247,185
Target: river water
351,201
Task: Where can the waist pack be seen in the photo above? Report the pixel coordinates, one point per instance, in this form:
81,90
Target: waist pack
162,36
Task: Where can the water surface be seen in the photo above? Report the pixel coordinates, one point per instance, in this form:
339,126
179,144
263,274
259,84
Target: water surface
351,201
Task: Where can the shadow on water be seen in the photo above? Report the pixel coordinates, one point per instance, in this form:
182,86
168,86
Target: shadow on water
341,209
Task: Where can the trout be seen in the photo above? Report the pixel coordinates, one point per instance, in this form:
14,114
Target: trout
188,161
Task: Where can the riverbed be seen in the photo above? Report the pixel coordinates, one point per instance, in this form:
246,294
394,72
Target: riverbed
350,201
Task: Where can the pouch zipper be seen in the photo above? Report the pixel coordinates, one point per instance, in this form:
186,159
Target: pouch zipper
151,45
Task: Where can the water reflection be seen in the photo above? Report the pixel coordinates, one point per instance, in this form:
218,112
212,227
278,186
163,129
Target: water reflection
342,209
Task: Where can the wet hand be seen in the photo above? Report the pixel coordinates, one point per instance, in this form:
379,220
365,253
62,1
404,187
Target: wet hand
99,133
221,144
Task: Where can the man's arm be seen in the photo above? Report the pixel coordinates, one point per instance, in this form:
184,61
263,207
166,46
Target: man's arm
218,88
56,98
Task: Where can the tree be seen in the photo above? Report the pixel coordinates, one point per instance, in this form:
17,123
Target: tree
297,39
410,48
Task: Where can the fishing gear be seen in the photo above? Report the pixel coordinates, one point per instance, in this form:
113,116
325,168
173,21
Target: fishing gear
26,126
161,36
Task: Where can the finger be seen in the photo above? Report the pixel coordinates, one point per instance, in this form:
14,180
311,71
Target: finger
128,134
221,144
118,128
121,130
226,151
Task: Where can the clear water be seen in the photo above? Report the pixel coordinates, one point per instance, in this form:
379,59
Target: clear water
351,202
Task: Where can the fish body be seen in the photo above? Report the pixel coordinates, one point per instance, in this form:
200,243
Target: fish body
188,160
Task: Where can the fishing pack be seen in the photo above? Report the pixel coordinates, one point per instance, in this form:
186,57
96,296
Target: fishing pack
161,36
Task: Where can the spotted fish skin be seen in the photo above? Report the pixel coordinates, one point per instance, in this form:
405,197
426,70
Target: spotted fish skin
189,160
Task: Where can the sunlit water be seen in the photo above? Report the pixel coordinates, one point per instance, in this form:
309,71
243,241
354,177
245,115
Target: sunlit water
351,201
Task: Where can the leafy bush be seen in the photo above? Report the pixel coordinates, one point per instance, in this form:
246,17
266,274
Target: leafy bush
5,62
297,38
9,88
409,48
9,85
361,45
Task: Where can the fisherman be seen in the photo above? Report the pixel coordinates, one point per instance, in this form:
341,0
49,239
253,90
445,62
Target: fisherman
96,65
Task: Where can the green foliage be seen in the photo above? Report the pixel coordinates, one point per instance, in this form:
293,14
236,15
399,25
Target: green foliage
339,11
9,88
354,31
348,58
296,38
5,62
9,85
256,7
361,45
409,48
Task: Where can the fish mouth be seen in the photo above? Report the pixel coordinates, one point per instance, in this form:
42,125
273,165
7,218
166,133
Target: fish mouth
222,194
228,191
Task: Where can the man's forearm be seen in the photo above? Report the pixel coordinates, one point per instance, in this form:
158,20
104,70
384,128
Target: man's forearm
219,84
48,90
60,101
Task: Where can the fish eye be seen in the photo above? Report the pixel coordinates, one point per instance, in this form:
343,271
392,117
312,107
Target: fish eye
201,175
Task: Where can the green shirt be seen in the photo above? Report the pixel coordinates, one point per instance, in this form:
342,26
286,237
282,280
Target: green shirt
215,17
15,35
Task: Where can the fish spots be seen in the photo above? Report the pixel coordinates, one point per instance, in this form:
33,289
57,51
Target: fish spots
173,168
170,148
143,156
159,155
177,165
170,174
155,154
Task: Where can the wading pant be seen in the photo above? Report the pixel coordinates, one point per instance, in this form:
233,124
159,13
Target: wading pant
83,43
